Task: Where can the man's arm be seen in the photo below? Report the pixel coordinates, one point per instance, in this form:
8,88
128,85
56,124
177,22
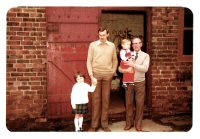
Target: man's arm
89,61
115,60
128,70
140,67
145,65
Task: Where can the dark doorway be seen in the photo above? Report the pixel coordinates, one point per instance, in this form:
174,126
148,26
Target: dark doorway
125,24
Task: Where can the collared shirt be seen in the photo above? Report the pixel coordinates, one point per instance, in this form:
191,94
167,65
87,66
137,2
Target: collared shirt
134,53
99,42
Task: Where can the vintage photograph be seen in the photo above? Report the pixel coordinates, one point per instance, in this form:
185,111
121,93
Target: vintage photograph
99,69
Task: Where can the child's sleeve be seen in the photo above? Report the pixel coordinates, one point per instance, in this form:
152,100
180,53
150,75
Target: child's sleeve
72,97
123,55
91,88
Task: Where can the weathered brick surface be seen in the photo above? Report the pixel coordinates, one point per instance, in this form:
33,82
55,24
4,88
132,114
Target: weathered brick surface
171,91
171,79
26,72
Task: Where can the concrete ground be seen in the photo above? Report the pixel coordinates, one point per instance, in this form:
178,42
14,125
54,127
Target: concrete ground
148,126
116,122
162,124
175,123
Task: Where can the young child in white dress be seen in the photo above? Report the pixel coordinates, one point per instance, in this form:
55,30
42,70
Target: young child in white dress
79,99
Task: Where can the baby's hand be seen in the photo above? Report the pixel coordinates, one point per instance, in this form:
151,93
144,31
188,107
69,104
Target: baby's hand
132,59
74,106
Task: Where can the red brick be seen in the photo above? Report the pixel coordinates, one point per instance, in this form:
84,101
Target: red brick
13,43
23,33
26,42
24,87
23,78
16,28
28,19
27,24
22,14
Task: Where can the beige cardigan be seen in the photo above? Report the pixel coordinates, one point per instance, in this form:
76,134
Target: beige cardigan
141,66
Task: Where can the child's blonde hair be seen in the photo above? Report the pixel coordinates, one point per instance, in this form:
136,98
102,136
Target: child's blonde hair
125,41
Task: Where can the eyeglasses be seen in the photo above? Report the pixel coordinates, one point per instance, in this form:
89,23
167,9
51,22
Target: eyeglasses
136,43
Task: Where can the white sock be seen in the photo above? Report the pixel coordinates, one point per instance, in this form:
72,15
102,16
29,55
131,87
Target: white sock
80,122
76,124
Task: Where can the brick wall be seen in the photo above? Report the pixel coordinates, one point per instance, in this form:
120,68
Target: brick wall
171,79
26,68
26,56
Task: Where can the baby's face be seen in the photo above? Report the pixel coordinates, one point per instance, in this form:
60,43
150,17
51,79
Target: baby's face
126,45
80,79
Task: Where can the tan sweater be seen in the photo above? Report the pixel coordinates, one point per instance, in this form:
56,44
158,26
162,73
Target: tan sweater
102,58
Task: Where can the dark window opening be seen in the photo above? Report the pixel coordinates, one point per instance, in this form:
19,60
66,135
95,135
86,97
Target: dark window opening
188,32
186,35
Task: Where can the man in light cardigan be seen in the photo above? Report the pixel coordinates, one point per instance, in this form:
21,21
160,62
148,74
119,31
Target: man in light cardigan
136,93
101,64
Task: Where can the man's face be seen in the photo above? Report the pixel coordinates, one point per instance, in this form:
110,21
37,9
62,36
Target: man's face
103,36
136,44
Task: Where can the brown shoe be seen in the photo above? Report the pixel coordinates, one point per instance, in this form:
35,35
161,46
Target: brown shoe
92,129
106,129
128,127
139,128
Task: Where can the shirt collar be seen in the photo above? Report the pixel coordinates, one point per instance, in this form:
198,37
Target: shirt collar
99,42
137,52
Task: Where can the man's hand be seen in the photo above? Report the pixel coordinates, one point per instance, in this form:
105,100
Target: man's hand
130,63
94,81
129,70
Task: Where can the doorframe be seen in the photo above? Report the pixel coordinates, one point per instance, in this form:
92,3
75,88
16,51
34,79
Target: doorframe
148,32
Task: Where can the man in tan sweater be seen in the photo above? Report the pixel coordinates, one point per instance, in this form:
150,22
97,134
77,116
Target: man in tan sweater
101,64
136,93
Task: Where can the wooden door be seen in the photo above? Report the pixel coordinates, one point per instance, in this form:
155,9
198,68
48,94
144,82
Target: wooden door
69,30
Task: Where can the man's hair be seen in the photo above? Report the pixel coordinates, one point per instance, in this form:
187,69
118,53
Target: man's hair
137,37
101,29
79,74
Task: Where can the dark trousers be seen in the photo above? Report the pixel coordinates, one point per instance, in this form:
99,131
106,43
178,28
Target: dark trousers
101,100
135,96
